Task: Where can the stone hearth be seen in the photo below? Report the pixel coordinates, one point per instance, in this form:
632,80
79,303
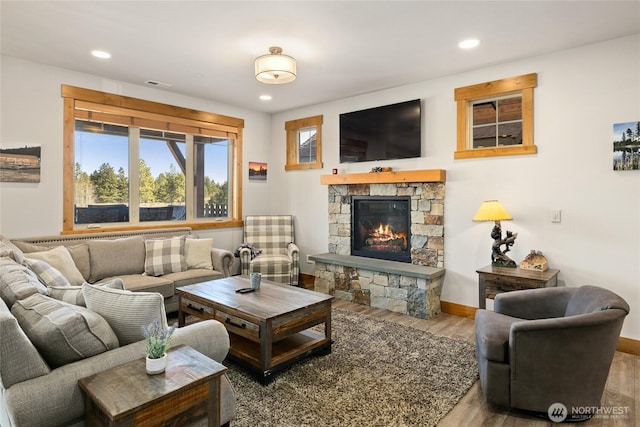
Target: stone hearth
412,289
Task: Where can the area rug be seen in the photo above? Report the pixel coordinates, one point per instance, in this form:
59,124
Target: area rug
379,373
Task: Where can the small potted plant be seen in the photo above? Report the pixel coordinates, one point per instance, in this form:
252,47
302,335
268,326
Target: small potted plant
157,345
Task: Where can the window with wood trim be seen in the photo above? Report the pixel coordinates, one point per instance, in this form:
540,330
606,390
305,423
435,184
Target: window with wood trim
496,118
130,163
304,143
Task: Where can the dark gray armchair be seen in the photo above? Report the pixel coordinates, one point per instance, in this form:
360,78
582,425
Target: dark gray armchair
551,345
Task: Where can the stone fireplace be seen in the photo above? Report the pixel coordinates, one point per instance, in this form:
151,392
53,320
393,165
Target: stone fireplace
356,269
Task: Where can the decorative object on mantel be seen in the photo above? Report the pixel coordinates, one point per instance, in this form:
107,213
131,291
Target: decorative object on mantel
381,169
157,345
534,261
492,210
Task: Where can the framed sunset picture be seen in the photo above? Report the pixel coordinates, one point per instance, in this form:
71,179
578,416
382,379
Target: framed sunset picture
257,171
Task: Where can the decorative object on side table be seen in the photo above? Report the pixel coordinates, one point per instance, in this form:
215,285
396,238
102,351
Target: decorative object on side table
534,261
492,210
158,339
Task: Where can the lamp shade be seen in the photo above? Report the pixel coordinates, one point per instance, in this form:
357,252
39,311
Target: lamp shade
491,210
275,68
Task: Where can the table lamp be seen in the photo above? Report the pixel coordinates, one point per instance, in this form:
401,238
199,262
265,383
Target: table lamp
492,210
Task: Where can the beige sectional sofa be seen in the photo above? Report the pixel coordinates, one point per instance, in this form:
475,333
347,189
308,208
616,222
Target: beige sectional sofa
54,333
100,257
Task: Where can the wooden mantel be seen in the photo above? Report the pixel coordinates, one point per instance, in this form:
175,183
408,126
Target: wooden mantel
426,175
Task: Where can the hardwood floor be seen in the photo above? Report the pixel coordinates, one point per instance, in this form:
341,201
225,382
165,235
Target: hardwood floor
622,390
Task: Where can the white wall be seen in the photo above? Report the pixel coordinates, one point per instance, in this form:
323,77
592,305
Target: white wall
32,114
581,93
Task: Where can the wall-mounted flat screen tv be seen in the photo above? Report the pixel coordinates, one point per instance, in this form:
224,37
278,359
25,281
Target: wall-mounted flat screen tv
381,133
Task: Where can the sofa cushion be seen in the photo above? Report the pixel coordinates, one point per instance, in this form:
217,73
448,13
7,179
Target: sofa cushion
60,258
48,275
198,253
164,256
126,311
116,257
195,275
79,253
141,282
17,281
19,359
63,332
74,295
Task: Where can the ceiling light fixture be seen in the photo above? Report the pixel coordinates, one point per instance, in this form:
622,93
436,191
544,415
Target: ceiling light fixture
101,54
265,97
469,44
275,68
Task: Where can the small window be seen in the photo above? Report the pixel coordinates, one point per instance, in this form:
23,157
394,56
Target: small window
496,118
304,143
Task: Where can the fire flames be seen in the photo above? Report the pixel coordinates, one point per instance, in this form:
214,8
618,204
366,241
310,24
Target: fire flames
384,236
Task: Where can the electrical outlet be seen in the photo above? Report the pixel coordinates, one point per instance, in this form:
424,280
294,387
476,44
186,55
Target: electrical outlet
556,215
309,260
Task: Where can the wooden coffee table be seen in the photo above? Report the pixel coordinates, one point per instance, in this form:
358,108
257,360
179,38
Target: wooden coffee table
126,395
270,328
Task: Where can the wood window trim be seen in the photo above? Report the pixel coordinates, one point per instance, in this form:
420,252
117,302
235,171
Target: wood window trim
514,85
209,123
292,127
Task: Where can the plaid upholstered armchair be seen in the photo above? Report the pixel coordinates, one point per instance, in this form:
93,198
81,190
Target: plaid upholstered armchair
275,254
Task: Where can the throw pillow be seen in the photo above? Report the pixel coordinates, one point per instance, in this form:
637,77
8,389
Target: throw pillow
126,311
79,253
117,257
7,248
74,295
62,332
198,253
17,281
47,274
164,256
60,259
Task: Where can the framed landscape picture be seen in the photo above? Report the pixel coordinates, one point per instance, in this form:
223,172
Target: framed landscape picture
626,146
257,171
20,164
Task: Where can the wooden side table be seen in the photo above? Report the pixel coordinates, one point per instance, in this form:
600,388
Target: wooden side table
493,280
126,395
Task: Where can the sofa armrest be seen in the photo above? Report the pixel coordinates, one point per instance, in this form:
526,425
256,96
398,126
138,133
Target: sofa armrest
222,260
534,303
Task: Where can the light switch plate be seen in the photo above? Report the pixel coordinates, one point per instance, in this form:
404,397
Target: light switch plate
556,215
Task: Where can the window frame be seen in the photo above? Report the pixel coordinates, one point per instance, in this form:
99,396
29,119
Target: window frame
171,117
465,96
292,128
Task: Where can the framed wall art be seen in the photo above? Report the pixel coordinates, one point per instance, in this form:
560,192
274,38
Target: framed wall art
20,164
626,146
257,171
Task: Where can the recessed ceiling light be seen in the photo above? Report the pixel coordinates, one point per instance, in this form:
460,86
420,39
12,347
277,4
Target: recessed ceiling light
469,44
265,97
101,54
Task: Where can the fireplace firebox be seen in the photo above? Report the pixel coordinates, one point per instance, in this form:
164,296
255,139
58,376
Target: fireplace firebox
381,227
